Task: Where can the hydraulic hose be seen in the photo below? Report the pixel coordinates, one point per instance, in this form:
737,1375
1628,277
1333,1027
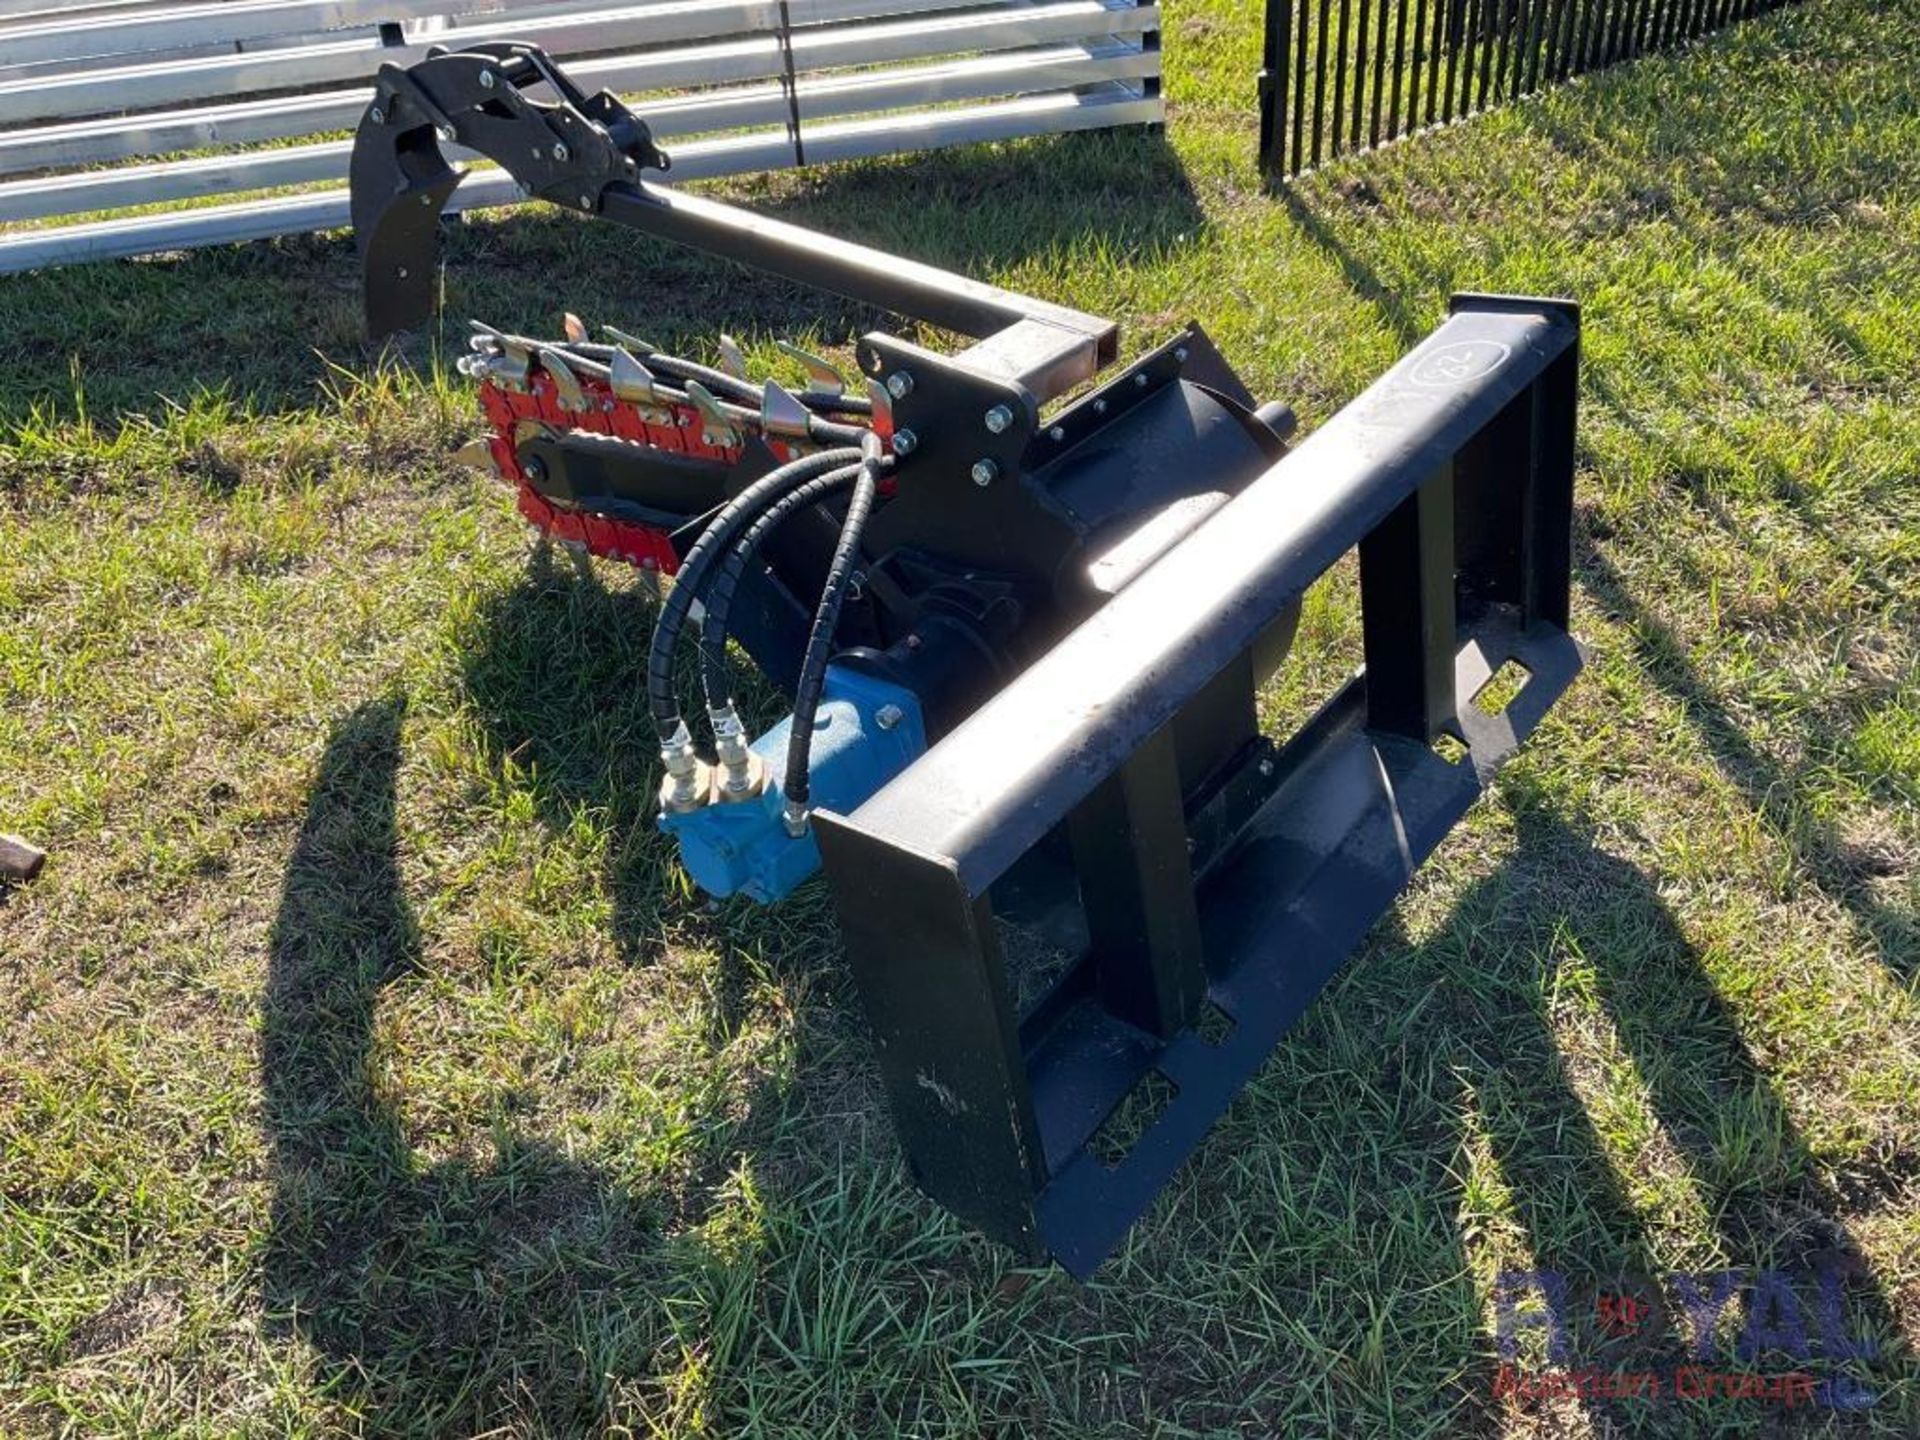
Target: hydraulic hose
813,669
713,543
591,358
718,600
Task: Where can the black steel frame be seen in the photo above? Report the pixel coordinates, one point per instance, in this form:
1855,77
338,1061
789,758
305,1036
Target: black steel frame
1453,475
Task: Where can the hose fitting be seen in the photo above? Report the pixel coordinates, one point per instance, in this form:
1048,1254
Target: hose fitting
741,774
689,780
793,815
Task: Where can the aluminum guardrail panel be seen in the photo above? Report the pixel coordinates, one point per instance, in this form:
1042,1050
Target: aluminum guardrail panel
863,77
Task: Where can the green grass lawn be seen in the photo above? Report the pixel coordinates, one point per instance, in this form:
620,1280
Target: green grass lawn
366,1064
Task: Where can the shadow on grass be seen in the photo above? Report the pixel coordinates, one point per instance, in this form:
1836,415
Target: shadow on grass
1784,796
440,1295
254,321
1583,922
554,668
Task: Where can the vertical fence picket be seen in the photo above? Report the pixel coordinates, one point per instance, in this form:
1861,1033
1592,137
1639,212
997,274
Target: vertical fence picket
1415,53
1379,100
1394,130
1361,24
1300,88
1340,74
1320,80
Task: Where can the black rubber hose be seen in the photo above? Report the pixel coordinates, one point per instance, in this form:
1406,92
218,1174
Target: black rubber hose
713,543
813,669
828,433
719,597
745,392
728,387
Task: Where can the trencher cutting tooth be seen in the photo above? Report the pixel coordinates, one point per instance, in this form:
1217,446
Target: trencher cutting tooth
566,385
824,376
882,401
733,360
477,454
782,413
575,327
632,342
721,429
630,380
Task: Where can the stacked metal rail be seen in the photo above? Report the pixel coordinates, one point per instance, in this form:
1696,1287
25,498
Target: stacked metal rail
157,110
1346,75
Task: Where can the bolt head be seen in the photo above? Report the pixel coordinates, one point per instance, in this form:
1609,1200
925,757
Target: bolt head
445,132
560,151
586,201
377,115
899,384
888,716
1181,354
905,442
1057,434
985,472
486,79
1140,381
999,419
400,273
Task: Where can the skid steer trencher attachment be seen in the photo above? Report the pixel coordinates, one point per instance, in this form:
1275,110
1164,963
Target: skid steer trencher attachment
1024,637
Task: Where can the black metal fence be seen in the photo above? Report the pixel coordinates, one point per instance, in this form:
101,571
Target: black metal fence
1345,75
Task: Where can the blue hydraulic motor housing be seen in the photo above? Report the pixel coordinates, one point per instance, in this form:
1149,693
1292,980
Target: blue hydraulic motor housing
867,731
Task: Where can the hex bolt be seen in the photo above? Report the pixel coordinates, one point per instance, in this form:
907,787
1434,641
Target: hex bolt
888,716
586,201
1181,354
905,442
985,472
560,151
899,384
1000,419
1140,381
401,273
1265,767
536,468
446,133
377,115
1057,434
486,79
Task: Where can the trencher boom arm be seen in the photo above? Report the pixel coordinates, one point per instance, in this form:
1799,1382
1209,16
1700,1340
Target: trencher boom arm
589,154
1025,652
